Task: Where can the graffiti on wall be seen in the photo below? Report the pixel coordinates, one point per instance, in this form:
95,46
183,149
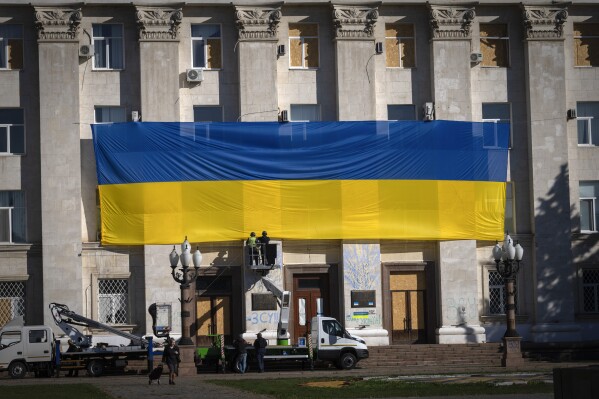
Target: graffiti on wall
265,317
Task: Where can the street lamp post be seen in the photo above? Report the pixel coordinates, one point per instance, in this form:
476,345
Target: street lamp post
186,276
508,258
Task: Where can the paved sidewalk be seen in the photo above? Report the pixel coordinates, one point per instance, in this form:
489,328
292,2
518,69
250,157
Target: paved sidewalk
198,386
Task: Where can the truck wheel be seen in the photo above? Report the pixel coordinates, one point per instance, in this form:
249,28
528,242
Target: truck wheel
95,368
347,361
17,370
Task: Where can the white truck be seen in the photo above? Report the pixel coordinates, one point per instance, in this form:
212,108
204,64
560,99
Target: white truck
34,349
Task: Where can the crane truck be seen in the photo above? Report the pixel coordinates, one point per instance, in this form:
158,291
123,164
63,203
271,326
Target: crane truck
34,349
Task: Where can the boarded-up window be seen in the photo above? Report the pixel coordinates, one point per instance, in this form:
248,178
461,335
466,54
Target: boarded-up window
586,44
11,46
400,46
206,46
303,46
494,45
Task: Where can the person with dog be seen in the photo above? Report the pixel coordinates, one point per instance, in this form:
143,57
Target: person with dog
260,346
240,345
171,358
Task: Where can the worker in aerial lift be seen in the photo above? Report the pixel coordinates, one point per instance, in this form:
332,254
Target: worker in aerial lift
252,248
263,241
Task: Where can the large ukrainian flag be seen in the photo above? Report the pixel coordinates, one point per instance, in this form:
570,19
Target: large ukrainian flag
439,180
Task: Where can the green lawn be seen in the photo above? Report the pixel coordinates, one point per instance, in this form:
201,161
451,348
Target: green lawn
359,388
75,391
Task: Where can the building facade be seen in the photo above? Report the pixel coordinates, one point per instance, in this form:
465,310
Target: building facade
64,67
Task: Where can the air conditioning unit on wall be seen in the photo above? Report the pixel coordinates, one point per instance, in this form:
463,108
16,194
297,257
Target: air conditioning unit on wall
476,58
194,75
86,50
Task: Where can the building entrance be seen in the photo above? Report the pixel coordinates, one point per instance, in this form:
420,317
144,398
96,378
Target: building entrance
408,304
213,309
307,289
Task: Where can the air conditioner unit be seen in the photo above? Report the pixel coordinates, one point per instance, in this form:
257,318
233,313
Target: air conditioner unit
476,58
378,47
194,75
86,50
572,113
281,50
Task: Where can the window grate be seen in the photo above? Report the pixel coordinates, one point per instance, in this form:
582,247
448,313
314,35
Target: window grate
590,290
12,301
113,298
498,295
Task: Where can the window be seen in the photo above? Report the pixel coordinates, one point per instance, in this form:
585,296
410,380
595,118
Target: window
12,131
401,112
108,46
590,290
206,46
587,123
110,114
12,300
9,338
494,45
113,301
400,48
208,114
496,113
498,294
12,217
586,45
36,336
510,215
303,46
304,113
11,46
589,214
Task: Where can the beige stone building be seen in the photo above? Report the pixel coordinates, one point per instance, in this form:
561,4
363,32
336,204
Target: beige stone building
64,67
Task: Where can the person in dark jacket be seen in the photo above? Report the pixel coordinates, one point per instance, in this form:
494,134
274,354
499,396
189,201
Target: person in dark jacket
260,346
242,354
171,357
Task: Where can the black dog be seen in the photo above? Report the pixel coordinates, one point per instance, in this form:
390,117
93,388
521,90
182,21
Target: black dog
155,375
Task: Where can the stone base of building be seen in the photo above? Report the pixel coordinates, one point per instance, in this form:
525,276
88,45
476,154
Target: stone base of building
555,332
372,336
468,334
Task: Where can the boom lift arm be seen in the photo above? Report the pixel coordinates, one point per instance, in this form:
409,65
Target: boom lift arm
284,298
66,319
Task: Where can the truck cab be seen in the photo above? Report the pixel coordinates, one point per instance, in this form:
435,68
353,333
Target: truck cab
25,348
333,343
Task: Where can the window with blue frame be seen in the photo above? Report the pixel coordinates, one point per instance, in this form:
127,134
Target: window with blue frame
108,46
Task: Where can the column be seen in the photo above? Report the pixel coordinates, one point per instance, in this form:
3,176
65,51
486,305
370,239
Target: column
548,145
257,57
451,94
58,49
354,49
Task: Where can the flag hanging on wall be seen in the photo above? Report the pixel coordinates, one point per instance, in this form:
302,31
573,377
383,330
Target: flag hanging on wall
412,180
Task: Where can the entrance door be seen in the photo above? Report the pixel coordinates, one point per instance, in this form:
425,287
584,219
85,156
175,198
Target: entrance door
213,318
307,289
408,304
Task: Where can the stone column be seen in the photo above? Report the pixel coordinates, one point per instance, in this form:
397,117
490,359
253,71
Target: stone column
159,62
548,145
60,159
257,57
354,49
451,95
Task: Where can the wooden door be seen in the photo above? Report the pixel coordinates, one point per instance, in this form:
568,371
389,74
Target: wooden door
408,304
307,290
213,318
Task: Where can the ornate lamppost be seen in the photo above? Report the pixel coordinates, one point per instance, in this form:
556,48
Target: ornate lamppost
508,258
186,276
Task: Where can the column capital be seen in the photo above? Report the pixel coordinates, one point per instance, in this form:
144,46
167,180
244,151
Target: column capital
544,23
57,24
354,22
157,24
257,23
450,23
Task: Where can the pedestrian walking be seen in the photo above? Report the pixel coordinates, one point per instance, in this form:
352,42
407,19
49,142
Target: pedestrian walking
260,347
242,354
171,358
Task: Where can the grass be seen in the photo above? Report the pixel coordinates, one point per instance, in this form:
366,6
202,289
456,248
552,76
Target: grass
359,388
75,391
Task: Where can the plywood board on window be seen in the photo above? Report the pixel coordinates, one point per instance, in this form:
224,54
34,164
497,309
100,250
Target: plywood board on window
223,312
399,30
586,51
214,53
302,29
407,281
398,308
204,318
495,52
408,53
311,52
417,310
493,30
295,52
392,52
